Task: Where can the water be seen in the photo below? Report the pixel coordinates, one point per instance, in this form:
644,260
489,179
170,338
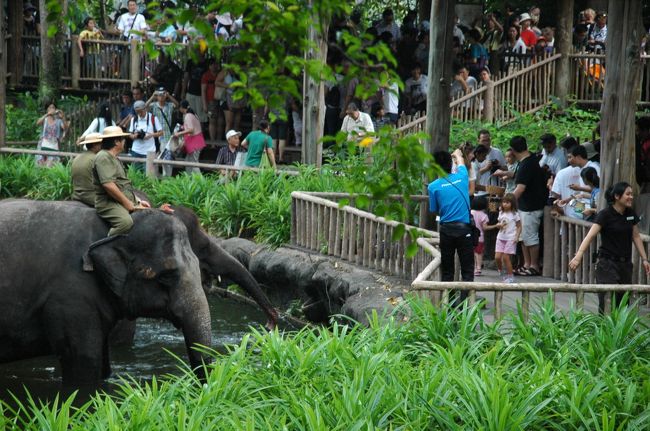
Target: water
145,359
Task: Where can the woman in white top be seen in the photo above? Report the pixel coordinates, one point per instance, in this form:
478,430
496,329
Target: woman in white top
103,119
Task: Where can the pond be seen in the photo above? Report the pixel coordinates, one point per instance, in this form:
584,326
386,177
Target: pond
145,359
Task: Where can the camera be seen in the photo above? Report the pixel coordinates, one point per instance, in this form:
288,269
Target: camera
495,165
140,134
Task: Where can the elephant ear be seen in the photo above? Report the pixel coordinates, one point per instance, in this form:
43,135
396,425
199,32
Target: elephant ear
105,258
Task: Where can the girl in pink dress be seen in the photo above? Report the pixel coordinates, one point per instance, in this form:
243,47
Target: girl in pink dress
509,226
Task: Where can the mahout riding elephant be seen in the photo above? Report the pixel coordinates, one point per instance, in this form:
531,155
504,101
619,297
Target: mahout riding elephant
53,301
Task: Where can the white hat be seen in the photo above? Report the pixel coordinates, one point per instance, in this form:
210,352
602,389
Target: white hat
524,17
232,133
113,132
224,19
91,138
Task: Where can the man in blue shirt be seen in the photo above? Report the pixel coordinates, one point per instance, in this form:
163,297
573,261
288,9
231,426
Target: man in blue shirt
449,198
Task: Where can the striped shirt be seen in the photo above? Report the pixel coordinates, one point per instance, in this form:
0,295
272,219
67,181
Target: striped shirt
227,157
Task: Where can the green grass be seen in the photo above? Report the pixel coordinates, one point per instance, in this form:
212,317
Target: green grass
433,369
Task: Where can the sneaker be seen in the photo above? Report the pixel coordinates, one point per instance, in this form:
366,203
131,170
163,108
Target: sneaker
477,272
508,279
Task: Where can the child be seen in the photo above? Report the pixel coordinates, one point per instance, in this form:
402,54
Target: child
479,205
91,51
509,175
509,226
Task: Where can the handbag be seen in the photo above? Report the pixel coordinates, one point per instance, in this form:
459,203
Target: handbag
475,232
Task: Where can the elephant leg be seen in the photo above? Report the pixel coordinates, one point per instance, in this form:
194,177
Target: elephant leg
106,360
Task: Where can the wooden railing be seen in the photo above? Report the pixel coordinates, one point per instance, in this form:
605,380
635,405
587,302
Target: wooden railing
522,91
107,63
588,72
321,225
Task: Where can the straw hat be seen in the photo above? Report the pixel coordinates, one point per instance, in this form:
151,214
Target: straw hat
91,138
113,132
225,19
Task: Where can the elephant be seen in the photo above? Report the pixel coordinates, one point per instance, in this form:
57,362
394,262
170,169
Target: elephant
215,261
53,303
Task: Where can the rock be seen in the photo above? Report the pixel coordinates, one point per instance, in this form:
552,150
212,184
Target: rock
325,286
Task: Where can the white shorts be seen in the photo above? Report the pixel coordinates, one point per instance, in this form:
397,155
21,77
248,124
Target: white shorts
530,221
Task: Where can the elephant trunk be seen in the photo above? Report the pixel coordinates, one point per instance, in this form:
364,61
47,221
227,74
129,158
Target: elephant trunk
190,308
222,263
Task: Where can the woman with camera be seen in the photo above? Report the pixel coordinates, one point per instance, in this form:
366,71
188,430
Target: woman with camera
54,127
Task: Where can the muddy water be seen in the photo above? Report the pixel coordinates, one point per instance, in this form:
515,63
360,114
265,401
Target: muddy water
145,359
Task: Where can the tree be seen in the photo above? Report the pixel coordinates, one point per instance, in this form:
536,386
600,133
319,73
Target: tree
622,90
53,13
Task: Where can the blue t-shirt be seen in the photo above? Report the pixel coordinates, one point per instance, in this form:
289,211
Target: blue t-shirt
451,203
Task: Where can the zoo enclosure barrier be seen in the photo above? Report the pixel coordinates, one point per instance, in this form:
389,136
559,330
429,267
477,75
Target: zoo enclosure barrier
526,90
151,162
321,225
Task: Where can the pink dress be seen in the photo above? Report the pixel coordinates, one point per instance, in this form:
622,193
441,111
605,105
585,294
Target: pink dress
193,142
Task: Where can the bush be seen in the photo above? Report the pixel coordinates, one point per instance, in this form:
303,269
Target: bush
425,368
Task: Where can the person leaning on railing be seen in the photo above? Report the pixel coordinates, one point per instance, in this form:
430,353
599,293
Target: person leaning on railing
617,225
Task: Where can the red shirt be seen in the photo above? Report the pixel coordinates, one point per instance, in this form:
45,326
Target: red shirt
208,78
529,37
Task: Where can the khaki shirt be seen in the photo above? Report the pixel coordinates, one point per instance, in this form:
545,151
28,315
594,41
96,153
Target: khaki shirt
107,169
82,178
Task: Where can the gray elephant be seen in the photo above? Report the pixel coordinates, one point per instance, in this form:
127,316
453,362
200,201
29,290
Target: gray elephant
215,261
50,305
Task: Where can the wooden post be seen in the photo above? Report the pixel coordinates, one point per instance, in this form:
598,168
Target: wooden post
440,72
15,11
135,63
76,61
622,90
150,168
313,113
563,42
549,243
488,102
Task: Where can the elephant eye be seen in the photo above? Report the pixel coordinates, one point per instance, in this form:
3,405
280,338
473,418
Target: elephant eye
169,277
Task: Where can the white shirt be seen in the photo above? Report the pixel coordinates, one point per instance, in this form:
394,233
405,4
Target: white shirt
97,126
563,179
127,22
358,127
392,28
486,178
556,160
143,146
391,99
417,89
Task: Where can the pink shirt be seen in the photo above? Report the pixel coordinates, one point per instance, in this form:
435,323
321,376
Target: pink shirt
480,217
193,141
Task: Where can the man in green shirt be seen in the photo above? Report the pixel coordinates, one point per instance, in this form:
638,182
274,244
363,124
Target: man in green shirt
83,189
114,195
257,143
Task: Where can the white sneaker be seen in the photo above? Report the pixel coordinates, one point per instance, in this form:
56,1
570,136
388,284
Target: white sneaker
508,279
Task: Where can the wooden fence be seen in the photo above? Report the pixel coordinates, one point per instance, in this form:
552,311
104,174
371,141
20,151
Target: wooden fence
523,91
109,63
321,225
588,72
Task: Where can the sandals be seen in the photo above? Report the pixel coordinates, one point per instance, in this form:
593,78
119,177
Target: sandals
532,272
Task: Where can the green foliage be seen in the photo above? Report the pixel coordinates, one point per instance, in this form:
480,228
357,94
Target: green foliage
21,118
424,368
570,122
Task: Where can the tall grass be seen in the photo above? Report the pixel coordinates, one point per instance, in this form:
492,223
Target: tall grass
421,369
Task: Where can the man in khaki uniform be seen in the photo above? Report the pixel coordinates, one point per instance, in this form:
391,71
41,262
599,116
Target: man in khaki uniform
83,189
114,195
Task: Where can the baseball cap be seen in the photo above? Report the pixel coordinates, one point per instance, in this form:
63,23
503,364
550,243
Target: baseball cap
232,133
139,104
160,91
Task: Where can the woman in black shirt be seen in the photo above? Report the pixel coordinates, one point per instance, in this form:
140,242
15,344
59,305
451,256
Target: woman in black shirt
617,225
